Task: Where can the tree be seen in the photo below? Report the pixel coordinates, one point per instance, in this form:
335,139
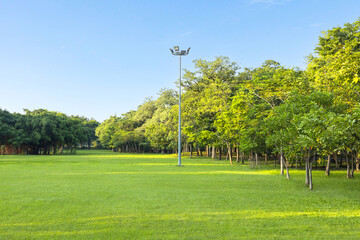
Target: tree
335,66
207,93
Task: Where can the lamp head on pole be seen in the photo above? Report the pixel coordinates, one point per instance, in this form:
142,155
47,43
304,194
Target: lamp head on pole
178,52
187,52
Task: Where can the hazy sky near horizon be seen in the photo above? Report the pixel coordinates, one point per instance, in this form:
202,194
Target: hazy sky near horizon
100,58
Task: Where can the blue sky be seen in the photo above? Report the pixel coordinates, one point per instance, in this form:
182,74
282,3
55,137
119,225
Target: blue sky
100,58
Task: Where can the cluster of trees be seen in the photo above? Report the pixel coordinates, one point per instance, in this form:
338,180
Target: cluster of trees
152,127
43,132
294,116
297,116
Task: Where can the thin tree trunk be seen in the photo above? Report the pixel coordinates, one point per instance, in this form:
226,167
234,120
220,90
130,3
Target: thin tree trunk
213,152
230,157
310,171
190,146
310,176
219,153
237,154
266,156
336,161
307,166
328,165
347,166
281,163
287,169
352,167
307,173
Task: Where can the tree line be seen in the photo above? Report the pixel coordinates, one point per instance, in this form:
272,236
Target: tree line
300,117
292,116
44,132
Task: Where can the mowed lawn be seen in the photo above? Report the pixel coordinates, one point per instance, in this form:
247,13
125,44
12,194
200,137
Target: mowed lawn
105,195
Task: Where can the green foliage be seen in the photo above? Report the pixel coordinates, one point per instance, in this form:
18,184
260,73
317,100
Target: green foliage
335,67
44,131
208,92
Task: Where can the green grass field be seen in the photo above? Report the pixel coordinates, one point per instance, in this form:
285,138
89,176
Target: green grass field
105,195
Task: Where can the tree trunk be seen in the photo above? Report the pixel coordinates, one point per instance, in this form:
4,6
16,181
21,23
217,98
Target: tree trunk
266,156
275,160
307,173
256,159
328,165
281,163
336,161
287,169
352,167
310,176
213,152
219,153
237,155
347,166
307,169
257,162
190,145
197,152
242,158
229,153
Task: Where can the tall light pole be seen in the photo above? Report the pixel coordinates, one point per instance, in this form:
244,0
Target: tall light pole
176,51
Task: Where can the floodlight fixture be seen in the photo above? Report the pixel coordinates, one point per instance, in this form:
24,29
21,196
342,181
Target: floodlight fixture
187,52
179,53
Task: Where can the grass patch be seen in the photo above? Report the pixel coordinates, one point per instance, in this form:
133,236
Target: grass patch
106,195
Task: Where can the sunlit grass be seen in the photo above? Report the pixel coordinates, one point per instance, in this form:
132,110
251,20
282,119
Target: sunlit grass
106,195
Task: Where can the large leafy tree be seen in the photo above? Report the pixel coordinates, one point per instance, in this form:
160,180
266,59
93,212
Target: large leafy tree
208,90
335,65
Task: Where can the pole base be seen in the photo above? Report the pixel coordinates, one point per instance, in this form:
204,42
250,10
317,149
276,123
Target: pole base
179,165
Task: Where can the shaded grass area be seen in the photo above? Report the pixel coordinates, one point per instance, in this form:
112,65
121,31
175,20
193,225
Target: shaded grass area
105,195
